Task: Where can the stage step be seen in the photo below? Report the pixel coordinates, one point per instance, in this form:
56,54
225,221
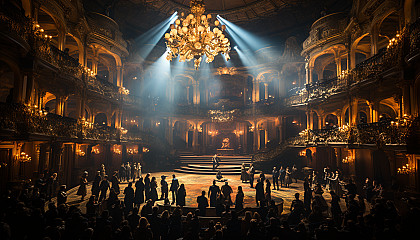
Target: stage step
229,165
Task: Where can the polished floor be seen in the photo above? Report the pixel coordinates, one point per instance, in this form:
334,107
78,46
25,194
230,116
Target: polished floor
196,183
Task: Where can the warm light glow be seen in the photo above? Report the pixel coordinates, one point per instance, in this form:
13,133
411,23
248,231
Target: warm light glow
191,37
407,169
23,157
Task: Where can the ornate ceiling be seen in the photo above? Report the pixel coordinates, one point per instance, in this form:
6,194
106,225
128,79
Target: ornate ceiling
277,19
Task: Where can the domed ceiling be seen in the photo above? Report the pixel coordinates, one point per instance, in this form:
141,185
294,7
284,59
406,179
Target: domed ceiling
277,19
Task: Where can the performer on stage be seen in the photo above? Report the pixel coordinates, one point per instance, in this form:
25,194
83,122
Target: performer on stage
216,161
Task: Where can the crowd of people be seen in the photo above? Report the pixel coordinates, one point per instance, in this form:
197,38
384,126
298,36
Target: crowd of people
23,214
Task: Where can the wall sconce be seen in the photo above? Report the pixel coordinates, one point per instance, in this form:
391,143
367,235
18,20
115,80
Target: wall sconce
347,160
23,157
132,151
116,150
302,153
145,149
404,170
95,150
80,153
213,133
238,132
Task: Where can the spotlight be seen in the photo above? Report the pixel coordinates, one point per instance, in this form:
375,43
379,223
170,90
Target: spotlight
235,47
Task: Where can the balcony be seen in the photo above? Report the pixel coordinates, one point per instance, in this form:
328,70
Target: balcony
105,29
380,134
327,28
20,122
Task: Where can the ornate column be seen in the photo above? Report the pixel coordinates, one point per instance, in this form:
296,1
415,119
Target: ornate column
353,110
188,95
196,94
255,91
61,39
120,76
309,118
338,64
195,138
374,41
311,70
320,121
59,105
265,91
256,137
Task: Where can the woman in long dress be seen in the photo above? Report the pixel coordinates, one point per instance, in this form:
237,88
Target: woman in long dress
243,173
180,198
153,189
239,200
82,191
288,178
267,190
139,193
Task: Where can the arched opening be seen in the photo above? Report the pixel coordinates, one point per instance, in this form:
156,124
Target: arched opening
101,119
180,134
361,49
50,26
324,67
331,121
49,102
70,109
362,117
388,28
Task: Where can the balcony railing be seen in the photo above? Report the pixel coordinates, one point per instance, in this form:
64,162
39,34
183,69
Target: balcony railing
379,133
22,121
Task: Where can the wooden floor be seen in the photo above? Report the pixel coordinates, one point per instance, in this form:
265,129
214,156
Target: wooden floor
194,184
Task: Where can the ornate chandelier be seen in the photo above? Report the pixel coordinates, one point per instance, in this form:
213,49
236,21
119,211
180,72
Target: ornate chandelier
191,37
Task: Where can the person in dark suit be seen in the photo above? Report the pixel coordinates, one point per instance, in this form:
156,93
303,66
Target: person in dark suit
203,203
251,173
174,188
259,191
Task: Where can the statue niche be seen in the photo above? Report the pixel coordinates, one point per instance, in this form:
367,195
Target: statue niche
225,143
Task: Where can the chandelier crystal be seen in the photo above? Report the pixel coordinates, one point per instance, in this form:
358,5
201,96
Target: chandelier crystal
191,37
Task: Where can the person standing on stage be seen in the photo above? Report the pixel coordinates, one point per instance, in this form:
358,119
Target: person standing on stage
121,173
282,175
115,182
129,197
243,173
214,160
104,186
226,191
164,187
275,178
174,188
153,189
95,185
180,197
147,186
82,191
288,178
139,193
251,173
259,192
214,192
202,203
239,200
128,171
